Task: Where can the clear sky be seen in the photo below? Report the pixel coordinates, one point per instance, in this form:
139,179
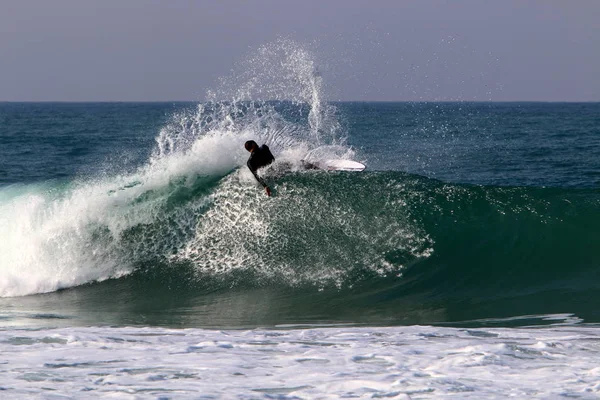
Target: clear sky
151,50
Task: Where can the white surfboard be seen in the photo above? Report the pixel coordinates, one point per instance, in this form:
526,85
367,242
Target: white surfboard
340,165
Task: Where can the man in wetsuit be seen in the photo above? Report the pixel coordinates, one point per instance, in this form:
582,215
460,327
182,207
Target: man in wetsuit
259,157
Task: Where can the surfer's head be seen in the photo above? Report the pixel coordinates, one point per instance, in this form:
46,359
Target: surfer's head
250,145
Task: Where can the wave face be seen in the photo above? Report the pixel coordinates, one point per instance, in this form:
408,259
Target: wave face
370,239
191,219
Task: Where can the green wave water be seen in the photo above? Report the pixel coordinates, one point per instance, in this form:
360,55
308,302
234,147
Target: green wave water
373,247
337,230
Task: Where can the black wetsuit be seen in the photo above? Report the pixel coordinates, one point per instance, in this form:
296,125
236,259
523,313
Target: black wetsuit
259,158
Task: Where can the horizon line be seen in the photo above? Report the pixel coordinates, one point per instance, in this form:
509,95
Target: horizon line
330,101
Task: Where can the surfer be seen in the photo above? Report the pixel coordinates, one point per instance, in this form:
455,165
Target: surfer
259,157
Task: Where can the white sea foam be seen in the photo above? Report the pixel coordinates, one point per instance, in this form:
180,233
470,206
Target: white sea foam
398,362
57,237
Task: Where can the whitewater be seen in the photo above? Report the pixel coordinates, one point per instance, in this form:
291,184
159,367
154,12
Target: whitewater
404,363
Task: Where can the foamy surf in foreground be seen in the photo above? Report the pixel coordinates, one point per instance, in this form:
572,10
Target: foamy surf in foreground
416,362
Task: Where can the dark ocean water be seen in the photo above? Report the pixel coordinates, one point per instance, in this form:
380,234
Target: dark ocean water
144,213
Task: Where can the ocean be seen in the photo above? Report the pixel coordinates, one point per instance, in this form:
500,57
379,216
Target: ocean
139,258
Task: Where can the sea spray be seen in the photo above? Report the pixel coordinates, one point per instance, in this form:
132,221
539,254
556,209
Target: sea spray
103,227
299,237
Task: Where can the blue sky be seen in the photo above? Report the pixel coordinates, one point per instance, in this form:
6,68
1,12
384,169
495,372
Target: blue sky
150,50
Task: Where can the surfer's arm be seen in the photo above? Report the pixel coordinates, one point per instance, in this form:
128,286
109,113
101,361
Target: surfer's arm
259,179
